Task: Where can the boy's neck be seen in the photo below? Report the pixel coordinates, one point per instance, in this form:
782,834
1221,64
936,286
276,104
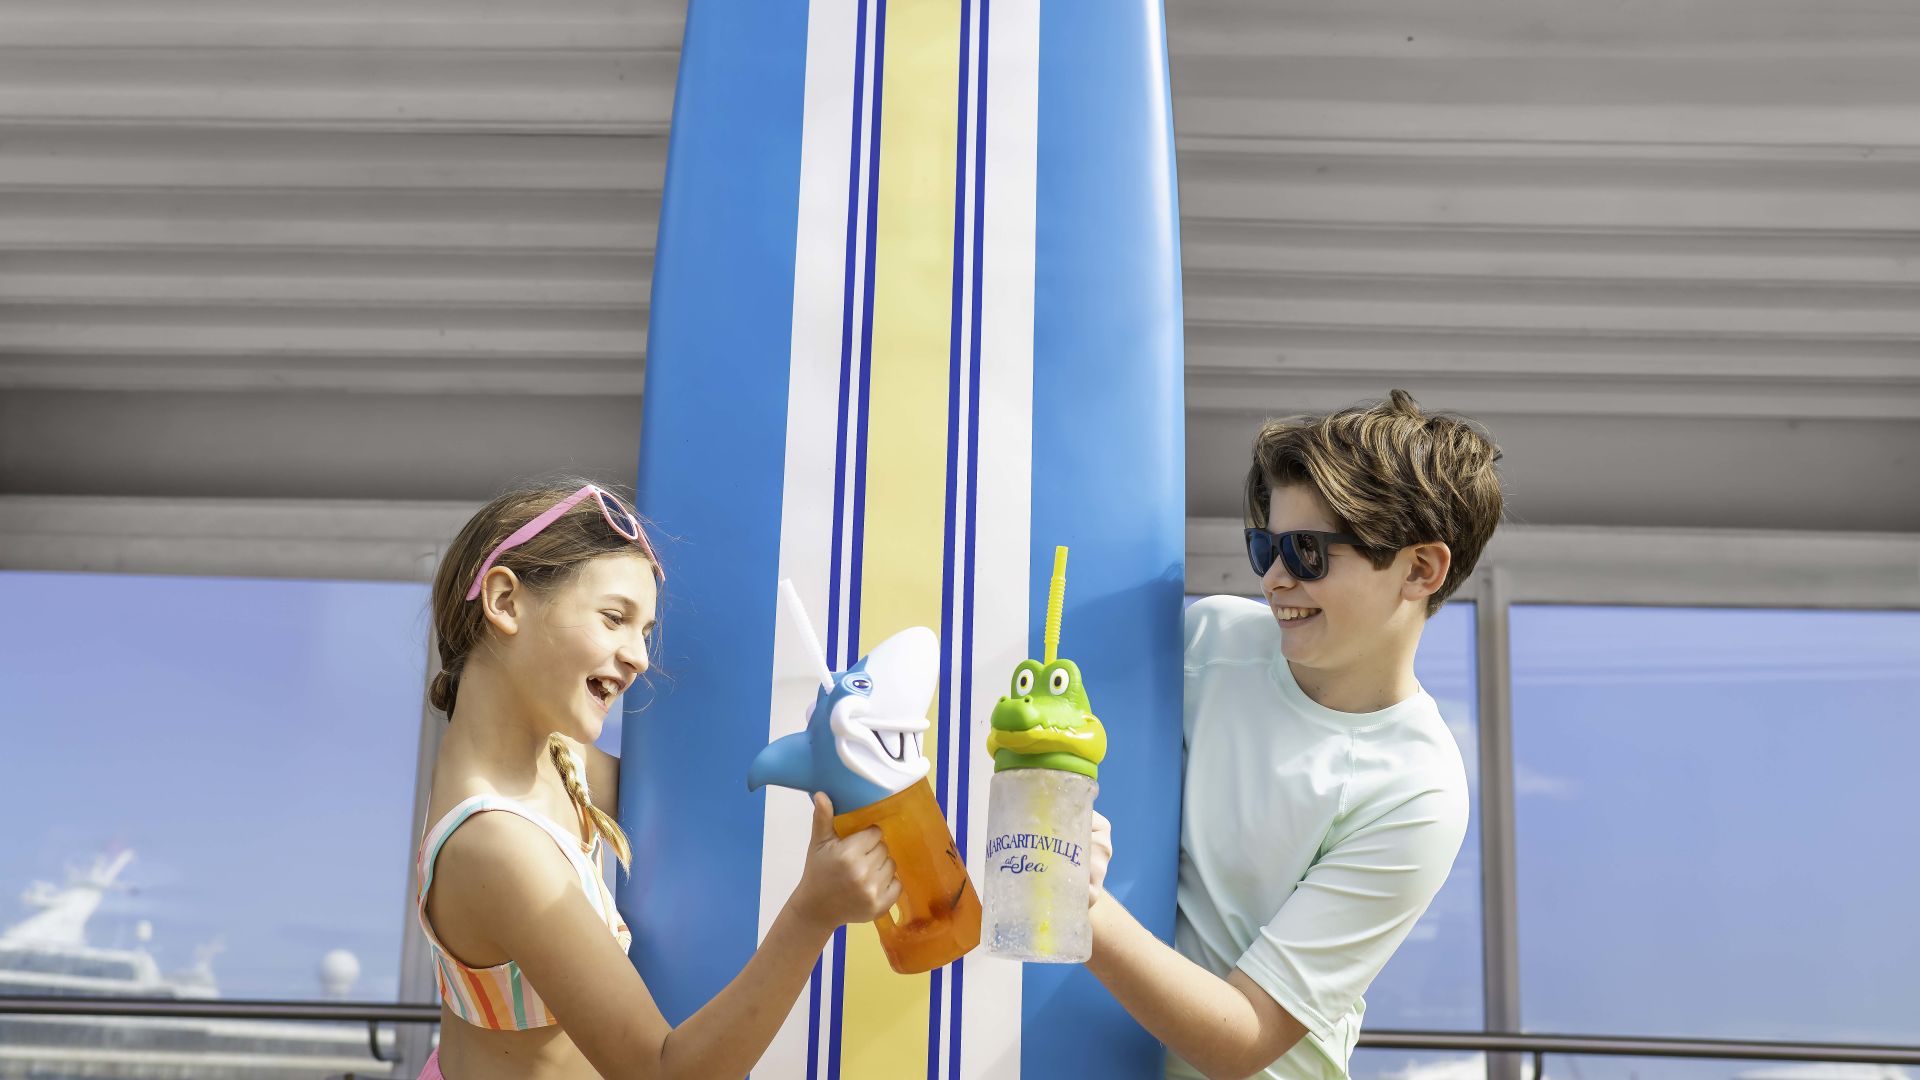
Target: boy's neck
1377,679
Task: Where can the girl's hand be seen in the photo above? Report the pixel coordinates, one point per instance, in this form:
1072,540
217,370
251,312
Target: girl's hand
846,879
1102,855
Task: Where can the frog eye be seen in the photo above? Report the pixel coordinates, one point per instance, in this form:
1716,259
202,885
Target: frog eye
1057,682
1023,682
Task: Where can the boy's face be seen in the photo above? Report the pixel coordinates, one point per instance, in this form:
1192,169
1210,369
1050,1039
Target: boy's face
1338,620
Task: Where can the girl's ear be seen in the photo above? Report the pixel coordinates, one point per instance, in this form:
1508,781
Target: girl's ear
502,600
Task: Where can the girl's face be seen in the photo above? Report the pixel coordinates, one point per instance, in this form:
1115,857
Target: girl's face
585,643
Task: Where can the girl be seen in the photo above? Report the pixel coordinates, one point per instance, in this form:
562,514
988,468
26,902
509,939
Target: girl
544,609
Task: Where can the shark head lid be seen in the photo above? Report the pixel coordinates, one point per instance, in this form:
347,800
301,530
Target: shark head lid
1046,722
862,742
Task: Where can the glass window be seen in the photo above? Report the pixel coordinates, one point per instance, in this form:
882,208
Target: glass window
1714,822
209,785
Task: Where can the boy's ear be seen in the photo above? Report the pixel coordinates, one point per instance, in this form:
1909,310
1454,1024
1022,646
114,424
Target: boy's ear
1426,570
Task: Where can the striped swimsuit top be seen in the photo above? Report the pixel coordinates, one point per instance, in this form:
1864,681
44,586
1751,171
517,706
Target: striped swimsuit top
497,998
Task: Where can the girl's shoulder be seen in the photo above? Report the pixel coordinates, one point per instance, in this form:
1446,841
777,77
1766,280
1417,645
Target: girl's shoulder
484,827
492,844
485,871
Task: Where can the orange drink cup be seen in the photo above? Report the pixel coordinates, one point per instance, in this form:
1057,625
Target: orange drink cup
937,918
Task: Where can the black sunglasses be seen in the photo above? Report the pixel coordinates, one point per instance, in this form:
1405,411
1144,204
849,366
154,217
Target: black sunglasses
1302,551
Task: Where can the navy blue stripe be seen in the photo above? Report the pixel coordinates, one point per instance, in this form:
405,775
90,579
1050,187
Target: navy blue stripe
852,644
959,988
936,986
813,1023
846,337
840,442
973,493
866,342
839,971
954,354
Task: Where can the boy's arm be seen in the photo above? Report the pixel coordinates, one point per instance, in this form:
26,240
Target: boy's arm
1319,952
1223,1027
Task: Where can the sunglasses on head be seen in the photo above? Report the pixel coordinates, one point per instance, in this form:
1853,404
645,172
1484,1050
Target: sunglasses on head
1302,551
618,516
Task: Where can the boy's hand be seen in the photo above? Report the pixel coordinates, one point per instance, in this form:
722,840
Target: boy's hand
1102,855
846,879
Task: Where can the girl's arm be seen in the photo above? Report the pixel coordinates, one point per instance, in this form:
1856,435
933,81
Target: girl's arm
503,877
603,780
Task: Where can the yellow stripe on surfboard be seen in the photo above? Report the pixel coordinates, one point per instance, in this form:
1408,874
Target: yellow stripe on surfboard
884,1026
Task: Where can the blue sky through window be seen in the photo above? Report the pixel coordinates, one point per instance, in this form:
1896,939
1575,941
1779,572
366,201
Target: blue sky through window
1715,822
252,741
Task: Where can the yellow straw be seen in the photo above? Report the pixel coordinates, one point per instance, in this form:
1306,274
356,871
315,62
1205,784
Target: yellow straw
1056,596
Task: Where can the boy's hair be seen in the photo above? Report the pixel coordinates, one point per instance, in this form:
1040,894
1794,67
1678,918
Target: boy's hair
544,562
1392,475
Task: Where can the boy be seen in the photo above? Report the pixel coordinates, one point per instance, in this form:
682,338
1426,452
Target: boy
1324,798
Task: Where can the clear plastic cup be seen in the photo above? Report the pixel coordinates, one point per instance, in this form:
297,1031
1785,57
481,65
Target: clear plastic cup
1039,834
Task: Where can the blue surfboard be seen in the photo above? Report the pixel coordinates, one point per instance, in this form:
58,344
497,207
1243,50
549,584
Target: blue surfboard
915,322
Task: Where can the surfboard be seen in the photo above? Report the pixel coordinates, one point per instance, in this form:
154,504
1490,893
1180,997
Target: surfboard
915,321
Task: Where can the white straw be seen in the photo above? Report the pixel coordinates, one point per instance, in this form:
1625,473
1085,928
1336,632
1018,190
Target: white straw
805,628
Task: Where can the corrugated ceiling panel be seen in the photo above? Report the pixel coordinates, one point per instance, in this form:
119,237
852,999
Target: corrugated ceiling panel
419,195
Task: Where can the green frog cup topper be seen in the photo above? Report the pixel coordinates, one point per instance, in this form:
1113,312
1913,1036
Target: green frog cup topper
1047,746
1046,722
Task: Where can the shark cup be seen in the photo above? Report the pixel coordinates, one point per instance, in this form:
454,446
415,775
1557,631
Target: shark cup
863,747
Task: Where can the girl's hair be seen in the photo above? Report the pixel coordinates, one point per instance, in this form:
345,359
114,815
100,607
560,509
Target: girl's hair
544,562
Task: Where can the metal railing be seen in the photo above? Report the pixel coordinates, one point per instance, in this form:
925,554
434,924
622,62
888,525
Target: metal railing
220,1009
373,1014
1537,1047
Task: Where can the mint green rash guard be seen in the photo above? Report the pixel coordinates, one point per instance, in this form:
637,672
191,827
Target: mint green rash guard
1310,840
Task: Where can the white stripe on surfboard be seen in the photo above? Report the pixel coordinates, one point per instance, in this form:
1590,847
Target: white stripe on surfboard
991,1009
844,632
806,506
957,734
990,1047
841,616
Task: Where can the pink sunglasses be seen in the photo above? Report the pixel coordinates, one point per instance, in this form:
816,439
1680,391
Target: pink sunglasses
611,508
